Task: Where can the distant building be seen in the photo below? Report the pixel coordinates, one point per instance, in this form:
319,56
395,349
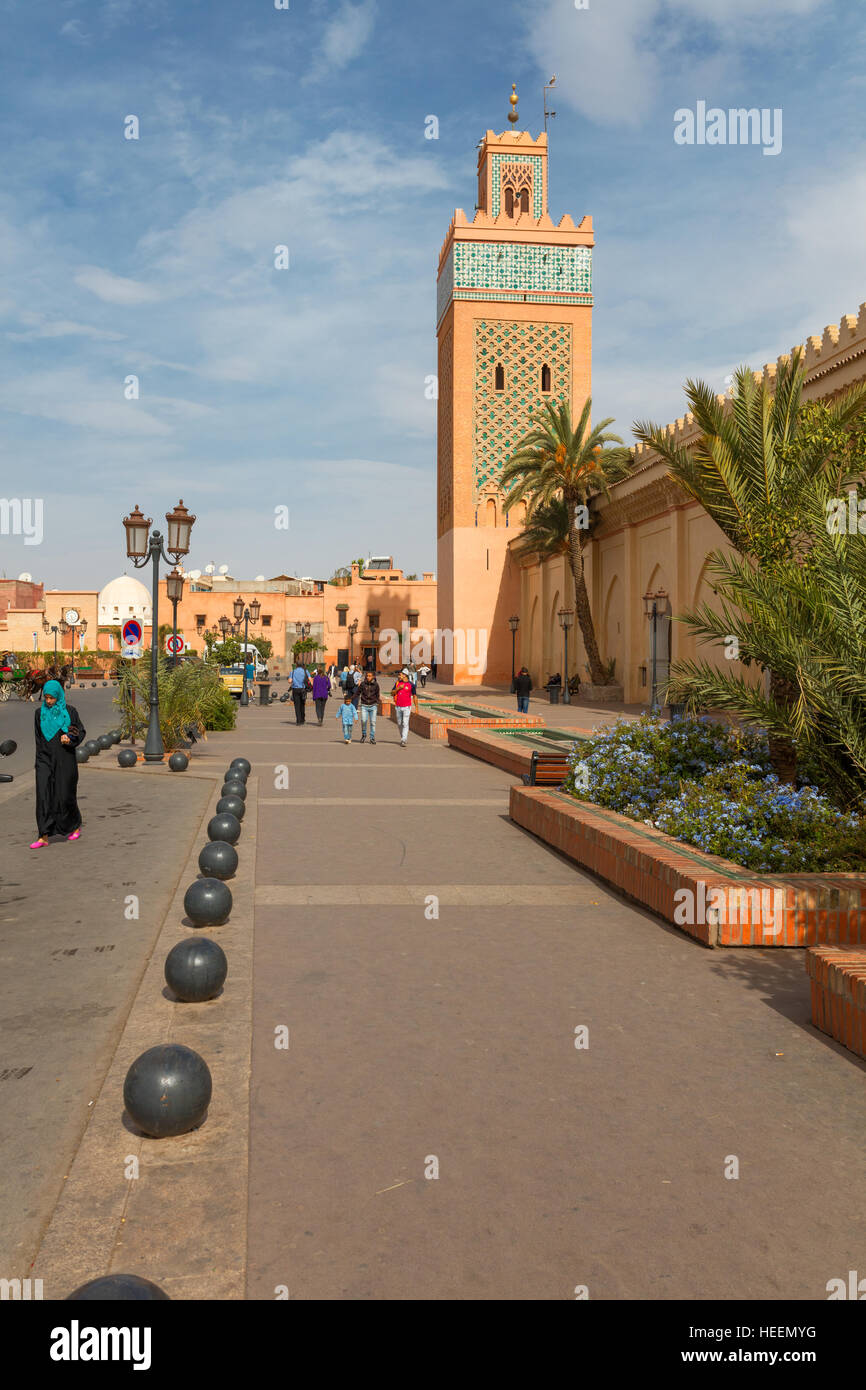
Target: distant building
121,599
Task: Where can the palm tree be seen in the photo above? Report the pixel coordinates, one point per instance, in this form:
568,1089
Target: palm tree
556,461
546,530
804,619
752,470
752,461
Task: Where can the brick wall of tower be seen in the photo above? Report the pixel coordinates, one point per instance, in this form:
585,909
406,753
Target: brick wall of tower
445,430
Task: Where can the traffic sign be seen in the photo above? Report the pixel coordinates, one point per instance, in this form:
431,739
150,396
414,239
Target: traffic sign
174,645
131,652
132,632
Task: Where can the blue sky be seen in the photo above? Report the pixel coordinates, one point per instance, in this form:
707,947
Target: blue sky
261,388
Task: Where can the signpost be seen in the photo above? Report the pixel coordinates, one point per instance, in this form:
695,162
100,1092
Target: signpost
132,635
174,645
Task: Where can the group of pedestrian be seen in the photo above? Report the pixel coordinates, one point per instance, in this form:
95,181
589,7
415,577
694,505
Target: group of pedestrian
361,694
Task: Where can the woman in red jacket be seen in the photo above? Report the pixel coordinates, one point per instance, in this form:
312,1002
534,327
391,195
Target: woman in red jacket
405,700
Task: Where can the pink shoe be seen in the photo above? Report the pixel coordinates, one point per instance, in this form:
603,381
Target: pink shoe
39,844
76,835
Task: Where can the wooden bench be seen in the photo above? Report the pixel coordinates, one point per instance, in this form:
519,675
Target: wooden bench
547,769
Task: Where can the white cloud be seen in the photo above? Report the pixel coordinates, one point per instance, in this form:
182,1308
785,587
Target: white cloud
611,59
72,397
42,327
72,29
115,289
345,37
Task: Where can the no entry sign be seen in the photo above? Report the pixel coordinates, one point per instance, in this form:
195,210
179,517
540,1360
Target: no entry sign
174,645
132,633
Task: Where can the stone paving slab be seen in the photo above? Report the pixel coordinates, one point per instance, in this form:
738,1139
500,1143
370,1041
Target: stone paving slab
454,1037
182,1222
70,963
580,894
454,1040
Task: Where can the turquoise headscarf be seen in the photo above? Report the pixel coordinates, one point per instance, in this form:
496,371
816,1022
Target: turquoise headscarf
53,718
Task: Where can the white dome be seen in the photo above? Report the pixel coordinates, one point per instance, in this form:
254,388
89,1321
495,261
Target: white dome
122,598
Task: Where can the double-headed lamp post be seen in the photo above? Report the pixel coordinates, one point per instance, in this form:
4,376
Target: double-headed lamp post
143,548
51,627
174,589
514,624
71,622
250,615
566,618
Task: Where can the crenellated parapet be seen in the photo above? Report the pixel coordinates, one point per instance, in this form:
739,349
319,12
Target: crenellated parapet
833,361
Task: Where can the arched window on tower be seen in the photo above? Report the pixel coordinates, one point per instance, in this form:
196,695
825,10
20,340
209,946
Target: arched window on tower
509,200
545,380
490,519
499,377
524,200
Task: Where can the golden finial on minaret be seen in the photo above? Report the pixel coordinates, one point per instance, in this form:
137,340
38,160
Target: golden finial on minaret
512,115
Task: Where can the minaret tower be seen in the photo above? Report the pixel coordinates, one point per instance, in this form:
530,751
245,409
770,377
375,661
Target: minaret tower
514,326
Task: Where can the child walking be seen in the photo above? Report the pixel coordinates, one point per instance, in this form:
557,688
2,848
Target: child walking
348,713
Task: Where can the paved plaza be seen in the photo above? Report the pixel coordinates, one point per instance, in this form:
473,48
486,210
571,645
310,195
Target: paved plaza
431,963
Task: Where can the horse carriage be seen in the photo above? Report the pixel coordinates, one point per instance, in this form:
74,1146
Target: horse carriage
25,683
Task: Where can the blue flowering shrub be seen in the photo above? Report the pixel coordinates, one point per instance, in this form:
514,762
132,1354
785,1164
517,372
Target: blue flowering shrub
712,786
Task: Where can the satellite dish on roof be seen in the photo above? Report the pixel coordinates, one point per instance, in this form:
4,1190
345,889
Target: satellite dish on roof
209,569
195,574
224,569
25,578
260,579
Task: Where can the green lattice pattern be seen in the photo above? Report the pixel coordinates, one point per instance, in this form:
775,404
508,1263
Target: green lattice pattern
502,417
517,266
534,164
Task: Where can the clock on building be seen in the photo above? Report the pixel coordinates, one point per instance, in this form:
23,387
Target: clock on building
71,616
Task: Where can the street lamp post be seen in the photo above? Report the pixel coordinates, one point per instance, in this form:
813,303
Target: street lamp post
51,627
142,549
566,618
174,589
514,624
248,614
655,606
373,642
71,622
353,628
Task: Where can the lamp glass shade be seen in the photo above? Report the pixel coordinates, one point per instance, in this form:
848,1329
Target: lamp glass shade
224,625
566,618
648,605
83,625
137,530
238,606
179,523
255,610
174,585
514,623
64,626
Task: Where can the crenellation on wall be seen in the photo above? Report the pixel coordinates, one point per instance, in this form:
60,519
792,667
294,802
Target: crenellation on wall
823,354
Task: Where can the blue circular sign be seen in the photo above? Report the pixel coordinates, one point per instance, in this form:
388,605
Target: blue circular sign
132,632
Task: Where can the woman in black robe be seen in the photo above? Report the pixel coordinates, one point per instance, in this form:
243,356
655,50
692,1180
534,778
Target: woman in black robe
58,733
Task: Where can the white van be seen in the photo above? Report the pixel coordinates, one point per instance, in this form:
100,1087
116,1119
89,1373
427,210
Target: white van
252,650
